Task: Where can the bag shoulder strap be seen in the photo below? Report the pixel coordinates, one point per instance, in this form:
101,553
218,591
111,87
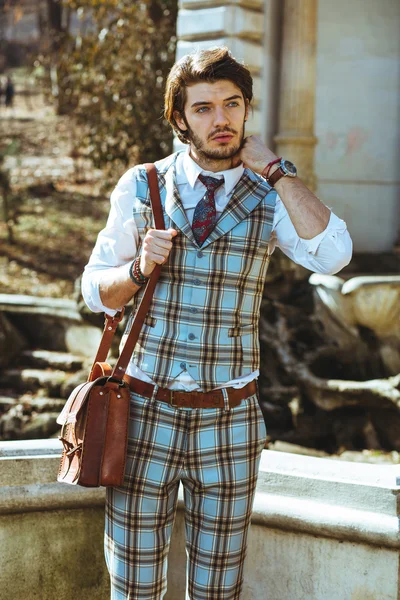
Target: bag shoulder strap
125,356
111,323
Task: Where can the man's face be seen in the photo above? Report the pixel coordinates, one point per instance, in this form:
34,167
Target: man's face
214,118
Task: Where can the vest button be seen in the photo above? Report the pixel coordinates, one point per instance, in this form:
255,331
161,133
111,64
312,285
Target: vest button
196,281
194,310
191,336
183,365
200,254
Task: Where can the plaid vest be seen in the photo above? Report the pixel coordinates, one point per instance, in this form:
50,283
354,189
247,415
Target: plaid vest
205,311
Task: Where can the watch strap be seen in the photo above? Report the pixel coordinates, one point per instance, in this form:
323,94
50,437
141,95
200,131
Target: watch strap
276,176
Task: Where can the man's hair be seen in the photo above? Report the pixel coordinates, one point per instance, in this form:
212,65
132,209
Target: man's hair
209,65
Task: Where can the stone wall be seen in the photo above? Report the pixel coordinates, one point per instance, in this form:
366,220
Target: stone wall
50,535
321,530
354,87
358,117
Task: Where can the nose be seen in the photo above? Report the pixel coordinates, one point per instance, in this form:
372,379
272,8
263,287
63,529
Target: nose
221,118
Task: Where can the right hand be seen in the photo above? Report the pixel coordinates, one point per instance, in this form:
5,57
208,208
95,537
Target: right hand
157,245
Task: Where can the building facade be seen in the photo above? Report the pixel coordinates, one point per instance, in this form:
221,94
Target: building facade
327,81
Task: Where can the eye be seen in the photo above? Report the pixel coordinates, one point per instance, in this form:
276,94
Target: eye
202,109
233,103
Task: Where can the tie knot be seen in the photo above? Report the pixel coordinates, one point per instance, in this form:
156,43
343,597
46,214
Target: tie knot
211,183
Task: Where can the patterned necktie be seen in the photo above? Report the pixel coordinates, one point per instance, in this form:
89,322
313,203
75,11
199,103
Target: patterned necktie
205,215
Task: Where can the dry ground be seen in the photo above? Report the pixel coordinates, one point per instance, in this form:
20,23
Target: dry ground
59,205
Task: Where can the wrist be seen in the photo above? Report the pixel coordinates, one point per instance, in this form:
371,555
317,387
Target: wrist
135,273
271,167
282,169
145,269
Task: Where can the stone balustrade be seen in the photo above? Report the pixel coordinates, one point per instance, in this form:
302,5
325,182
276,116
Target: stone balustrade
322,529
369,301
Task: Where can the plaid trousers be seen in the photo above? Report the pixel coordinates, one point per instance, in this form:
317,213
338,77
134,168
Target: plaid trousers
215,453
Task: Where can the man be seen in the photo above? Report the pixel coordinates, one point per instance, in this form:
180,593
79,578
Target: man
9,93
195,415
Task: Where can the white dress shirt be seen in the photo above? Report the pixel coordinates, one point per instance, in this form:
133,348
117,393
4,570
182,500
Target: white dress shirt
328,252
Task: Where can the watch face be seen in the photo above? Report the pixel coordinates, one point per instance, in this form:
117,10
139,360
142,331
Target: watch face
289,168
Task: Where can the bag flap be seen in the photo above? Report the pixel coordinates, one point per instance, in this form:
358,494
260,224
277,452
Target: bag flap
74,403
79,397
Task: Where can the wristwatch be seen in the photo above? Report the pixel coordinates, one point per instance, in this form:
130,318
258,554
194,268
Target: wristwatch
286,169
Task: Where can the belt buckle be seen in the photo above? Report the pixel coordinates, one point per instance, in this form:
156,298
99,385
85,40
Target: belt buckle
171,399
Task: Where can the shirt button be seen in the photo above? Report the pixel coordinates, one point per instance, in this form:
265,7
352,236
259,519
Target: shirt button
196,281
183,365
200,254
191,336
194,310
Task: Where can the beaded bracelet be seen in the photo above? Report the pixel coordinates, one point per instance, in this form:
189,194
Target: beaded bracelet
136,274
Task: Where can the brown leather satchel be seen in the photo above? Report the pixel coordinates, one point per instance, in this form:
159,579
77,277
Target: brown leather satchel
96,415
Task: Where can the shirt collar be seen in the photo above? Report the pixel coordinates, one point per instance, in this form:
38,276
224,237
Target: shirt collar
193,170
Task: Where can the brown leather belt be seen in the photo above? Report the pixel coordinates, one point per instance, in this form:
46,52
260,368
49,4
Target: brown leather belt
214,399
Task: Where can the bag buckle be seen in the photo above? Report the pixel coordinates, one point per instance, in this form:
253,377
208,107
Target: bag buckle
121,382
74,450
112,322
119,315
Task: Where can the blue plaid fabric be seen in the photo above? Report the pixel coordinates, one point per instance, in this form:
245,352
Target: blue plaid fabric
215,453
205,311
203,318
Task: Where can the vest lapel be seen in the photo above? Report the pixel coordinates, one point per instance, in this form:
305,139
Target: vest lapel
247,194
173,205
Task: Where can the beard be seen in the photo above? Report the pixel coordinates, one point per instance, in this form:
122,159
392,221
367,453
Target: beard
222,153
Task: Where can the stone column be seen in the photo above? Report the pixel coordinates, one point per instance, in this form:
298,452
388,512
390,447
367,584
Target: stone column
295,139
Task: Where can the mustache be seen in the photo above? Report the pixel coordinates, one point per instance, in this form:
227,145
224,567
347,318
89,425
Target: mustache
218,131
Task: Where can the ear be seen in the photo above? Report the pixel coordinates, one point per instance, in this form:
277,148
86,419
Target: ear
179,121
246,114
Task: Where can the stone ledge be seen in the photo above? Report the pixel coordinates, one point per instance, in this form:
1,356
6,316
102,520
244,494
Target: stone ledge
35,305
48,497
320,497
30,448
219,22
326,520
288,513
28,472
243,50
363,487
257,5
327,469
51,323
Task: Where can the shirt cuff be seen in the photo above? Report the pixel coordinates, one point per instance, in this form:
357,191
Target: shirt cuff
335,225
91,294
